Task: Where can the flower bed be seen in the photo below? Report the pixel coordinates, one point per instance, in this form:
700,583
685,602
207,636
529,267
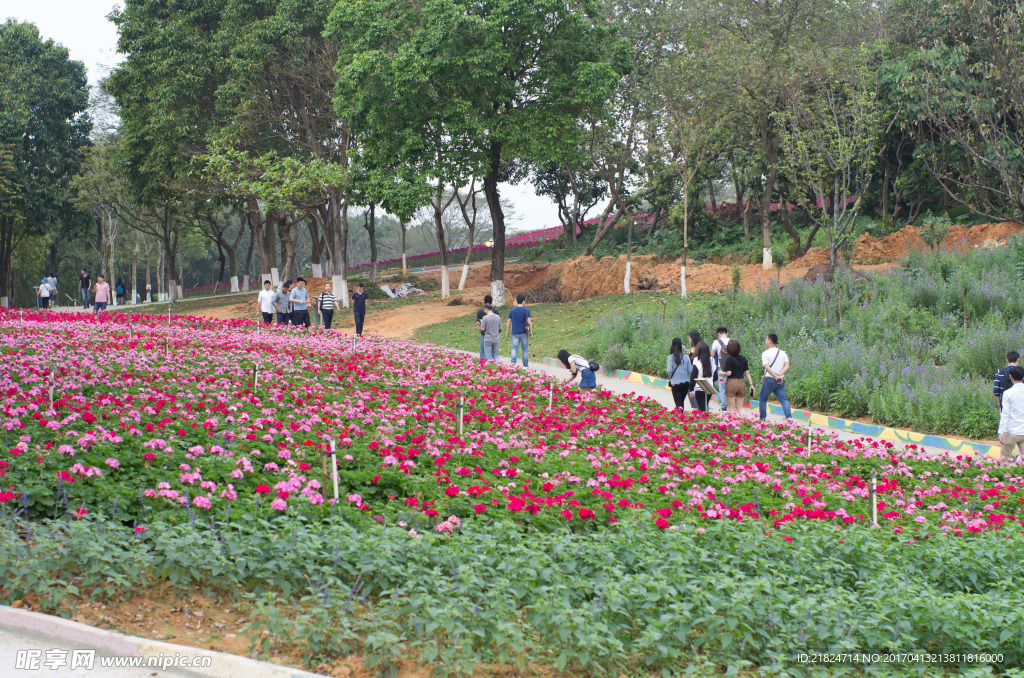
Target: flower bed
156,420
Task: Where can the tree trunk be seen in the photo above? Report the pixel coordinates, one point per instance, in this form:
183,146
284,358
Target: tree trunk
315,249
133,282
439,207
160,274
265,232
370,224
686,239
771,153
711,194
498,222
787,224
629,254
6,258
401,222
339,252
248,254
287,237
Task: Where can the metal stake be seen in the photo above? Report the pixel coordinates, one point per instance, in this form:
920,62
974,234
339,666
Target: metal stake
808,437
334,471
51,390
461,409
255,376
874,501
551,396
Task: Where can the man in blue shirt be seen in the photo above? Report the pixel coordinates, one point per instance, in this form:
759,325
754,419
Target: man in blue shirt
299,299
520,326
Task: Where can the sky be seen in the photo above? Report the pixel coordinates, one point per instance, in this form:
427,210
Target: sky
82,27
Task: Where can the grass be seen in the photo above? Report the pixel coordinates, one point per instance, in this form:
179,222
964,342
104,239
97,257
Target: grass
555,326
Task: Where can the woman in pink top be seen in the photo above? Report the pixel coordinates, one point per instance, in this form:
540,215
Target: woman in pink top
101,295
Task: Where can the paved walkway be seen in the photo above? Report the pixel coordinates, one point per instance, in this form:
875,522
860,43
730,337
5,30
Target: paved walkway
664,396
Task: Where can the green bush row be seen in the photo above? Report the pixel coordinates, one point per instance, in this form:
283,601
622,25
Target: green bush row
632,599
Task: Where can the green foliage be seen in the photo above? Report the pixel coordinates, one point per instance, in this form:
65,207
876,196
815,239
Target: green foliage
632,599
43,130
933,230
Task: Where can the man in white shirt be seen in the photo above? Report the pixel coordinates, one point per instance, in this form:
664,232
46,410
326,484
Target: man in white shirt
265,301
717,356
1011,418
776,364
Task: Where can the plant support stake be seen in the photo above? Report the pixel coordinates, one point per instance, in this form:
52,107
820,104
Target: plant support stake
551,396
874,501
51,390
808,437
255,376
334,471
462,405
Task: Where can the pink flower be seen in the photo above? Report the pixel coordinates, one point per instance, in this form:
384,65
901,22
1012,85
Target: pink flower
201,502
279,504
113,463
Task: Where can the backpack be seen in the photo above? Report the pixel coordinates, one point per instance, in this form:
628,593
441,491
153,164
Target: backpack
593,365
120,290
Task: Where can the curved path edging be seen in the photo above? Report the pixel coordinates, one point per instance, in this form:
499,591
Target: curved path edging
949,444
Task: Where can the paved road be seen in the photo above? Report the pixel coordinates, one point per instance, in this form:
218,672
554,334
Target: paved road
13,642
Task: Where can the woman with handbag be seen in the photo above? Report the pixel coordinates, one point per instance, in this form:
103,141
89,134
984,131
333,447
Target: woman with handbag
736,370
678,367
701,372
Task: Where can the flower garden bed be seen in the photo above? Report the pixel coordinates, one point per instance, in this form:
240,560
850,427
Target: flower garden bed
160,439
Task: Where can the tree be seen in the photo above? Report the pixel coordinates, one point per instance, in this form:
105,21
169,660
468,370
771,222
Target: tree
966,106
43,130
692,129
485,83
753,46
831,131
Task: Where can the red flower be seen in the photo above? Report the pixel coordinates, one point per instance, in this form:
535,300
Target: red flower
262,489
480,508
567,514
662,523
283,494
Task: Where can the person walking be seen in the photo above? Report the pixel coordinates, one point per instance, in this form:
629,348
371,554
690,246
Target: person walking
100,295
480,313
581,371
776,364
701,371
1011,418
325,305
678,367
120,291
491,324
299,298
281,305
717,357
520,326
84,284
43,294
359,298
265,302
51,285
736,370
1002,381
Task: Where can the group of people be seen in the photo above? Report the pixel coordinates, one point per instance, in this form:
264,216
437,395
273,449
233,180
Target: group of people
46,292
99,291
720,371
291,304
519,326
